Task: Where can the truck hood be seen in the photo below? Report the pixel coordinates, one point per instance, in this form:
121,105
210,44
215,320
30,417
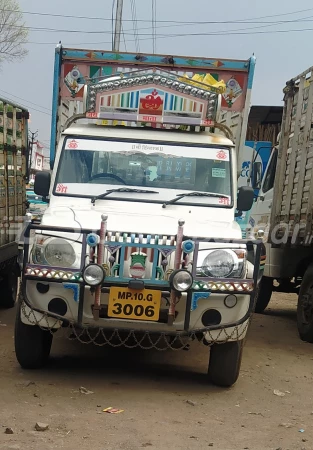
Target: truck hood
149,219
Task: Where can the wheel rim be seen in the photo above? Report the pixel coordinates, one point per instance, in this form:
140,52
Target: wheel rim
307,307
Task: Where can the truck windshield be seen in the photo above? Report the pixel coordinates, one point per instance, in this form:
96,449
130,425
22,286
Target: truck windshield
89,167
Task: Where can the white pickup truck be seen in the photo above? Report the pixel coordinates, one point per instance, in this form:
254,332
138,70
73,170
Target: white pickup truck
139,245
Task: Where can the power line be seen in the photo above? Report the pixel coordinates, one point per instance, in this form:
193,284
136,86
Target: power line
27,101
154,34
152,25
136,34
264,26
219,32
60,30
123,34
34,109
63,30
223,33
159,21
135,24
170,36
112,23
118,25
155,22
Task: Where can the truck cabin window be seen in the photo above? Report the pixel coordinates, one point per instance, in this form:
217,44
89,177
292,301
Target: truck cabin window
270,174
154,170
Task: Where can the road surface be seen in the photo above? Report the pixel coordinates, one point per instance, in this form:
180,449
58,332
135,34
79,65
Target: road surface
167,402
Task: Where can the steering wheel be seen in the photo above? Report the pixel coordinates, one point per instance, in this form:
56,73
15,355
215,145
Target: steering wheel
108,175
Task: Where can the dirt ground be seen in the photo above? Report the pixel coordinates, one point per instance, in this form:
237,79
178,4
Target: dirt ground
166,399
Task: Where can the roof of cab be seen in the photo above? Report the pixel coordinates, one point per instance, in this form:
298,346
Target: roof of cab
93,130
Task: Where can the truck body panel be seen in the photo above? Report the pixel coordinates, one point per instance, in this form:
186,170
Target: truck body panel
282,214
13,172
291,218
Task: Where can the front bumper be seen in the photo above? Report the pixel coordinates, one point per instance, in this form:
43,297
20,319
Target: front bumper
42,284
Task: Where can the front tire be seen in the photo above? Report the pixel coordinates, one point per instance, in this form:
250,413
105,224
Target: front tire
32,344
225,362
8,289
263,295
305,307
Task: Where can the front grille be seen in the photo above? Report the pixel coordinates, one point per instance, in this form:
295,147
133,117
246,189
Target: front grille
116,236
143,256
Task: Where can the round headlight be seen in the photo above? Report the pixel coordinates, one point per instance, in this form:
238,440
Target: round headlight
93,275
219,263
60,253
181,280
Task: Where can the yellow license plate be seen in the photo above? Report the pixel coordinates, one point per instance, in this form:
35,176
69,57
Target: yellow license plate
127,303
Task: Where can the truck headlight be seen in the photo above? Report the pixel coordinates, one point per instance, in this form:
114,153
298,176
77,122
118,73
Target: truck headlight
181,280
56,252
93,275
60,253
222,264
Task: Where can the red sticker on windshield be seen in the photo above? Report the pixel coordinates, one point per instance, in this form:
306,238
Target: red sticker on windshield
61,189
221,155
223,201
72,144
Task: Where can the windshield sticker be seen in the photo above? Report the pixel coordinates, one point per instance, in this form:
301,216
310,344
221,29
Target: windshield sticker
177,168
222,155
170,151
224,201
218,173
155,148
72,144
61,188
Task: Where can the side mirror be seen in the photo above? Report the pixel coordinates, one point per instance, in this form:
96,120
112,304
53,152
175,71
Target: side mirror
42,183
257,175
245,198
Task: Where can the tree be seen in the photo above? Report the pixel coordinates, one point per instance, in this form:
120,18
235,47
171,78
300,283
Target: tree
13,33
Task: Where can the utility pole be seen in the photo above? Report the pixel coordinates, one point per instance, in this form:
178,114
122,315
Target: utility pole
32,140
118,26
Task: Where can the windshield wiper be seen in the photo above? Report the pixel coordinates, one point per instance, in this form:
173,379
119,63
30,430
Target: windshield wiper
110,191
193,194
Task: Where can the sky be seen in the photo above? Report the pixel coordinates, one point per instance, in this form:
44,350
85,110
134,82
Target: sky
280,55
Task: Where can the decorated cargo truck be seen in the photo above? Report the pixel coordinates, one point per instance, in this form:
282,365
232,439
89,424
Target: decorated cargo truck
13,172
282,215
139,246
